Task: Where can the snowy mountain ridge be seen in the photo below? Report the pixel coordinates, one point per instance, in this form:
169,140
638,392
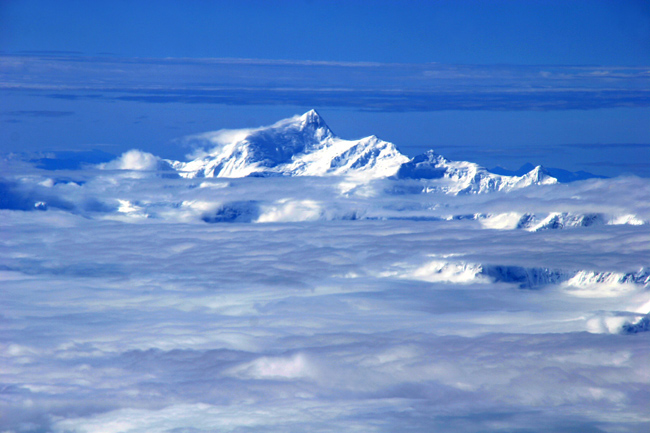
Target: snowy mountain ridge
525,277
580,284
305,146
312,175
463,177
536,222
298,146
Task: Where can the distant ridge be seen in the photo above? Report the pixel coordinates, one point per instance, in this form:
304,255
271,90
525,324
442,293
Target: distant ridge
561,175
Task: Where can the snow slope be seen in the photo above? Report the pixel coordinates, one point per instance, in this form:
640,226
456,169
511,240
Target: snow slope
298,146
455,271
305,146
462,177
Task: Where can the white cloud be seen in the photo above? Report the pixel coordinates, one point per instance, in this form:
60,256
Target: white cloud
341,312
211,142
296,366
286,210
133,160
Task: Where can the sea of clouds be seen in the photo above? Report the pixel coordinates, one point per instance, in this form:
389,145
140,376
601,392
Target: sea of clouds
137,301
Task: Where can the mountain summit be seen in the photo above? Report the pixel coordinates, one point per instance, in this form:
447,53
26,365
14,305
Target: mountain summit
313,120
303,145
298,146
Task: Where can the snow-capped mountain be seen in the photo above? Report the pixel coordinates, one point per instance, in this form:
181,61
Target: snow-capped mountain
563,176
524,277
305,146
535,222
311,174
298,146
463,177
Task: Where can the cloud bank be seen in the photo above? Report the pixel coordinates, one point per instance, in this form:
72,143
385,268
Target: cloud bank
140,302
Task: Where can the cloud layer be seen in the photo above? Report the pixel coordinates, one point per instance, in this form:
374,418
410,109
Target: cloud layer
131,306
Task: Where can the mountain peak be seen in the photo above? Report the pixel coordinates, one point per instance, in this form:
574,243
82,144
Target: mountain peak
303,145
313,119
539,174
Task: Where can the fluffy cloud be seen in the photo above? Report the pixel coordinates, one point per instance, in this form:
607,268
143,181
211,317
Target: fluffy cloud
318,308
133,160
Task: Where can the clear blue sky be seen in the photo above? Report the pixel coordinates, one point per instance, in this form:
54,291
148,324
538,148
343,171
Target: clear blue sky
575,33
453,31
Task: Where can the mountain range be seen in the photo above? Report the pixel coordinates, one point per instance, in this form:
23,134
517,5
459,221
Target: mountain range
312,174
305,146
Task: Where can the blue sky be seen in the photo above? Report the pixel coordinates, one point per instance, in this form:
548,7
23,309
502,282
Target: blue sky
495,40
458,31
